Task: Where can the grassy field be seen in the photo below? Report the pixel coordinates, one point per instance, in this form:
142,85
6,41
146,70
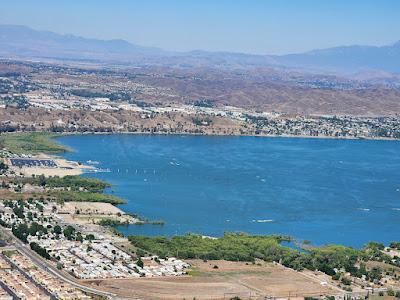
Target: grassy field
65,196
75,183
31,143
62,196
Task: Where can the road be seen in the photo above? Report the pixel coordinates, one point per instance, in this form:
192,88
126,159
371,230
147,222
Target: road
9,291
42,263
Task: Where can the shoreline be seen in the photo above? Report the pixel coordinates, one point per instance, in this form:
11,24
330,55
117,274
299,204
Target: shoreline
220,135
128,232
55,135
53,138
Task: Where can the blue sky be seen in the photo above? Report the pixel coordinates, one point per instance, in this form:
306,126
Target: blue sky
251,26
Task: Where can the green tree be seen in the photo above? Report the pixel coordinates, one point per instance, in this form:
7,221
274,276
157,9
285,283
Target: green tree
39,250
69,232
79,237
3,167
42,180
57,229
89,237
140,262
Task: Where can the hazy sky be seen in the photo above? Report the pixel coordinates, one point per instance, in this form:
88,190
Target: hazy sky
252,26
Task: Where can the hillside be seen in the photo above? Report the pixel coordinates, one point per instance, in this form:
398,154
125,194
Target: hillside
348,59
298,83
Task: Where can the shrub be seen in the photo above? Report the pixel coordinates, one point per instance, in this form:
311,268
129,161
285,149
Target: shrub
140,263
390,292
346,281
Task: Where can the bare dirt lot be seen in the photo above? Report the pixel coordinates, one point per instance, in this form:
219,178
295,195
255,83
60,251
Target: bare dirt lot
228,280
90,208
89,214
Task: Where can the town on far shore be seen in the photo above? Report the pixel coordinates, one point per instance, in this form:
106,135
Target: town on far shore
94,99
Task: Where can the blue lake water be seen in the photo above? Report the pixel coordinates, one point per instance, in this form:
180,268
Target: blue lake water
322,190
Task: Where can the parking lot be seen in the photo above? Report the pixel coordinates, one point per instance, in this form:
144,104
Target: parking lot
24,162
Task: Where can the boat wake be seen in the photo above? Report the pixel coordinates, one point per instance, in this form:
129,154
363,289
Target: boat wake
263,221
98,170
363,209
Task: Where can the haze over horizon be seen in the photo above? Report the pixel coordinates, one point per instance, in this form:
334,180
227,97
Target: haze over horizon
261,27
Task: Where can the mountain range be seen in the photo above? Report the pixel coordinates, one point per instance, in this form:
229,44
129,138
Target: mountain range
23,42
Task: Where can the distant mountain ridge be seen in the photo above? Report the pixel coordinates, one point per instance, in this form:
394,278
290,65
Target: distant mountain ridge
16,40
21,41
356,58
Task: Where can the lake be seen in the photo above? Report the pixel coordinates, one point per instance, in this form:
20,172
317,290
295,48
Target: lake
321,190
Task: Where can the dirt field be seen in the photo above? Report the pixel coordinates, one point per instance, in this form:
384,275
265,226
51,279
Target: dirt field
89,208
91,213
229,280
